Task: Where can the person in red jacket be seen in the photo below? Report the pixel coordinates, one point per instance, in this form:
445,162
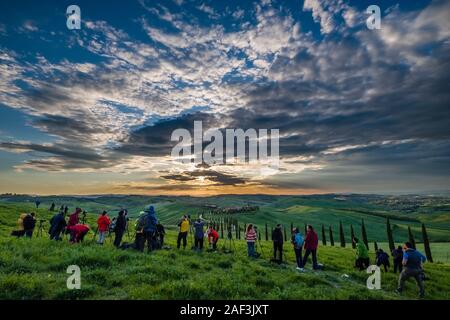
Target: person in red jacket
213,237
103,223
311,243
77,232
74,219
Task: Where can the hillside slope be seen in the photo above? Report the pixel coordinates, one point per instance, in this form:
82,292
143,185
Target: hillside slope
36,269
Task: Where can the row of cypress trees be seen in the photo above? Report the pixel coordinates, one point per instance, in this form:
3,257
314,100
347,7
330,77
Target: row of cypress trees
230,224
426,241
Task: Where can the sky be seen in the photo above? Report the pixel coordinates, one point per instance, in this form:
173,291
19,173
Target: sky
91,111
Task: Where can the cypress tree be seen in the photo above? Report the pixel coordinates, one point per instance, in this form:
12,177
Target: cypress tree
331,237
237,230
341,234
352,235
267,233
324,238
426,243
221,230
411,237
389,235
375,245
364,234
285,234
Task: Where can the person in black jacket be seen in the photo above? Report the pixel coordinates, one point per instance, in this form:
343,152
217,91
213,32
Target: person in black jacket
382,259
160,231
119,229
57,225
29,222
397,255
277,238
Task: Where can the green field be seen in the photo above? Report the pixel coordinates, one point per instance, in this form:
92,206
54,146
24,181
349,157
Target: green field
36,269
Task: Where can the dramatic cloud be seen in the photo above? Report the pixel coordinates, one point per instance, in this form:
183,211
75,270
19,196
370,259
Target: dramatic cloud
353,105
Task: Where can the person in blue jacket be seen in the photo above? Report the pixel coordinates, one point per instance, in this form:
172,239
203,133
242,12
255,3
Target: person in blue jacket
199,234
150,227
57,225
412,268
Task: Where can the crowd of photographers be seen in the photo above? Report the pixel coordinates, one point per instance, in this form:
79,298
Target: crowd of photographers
149,232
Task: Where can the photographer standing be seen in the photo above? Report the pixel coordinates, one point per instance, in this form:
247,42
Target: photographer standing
251,237
184,229
199,234
298,241
277,238
119,228
311,244
103,223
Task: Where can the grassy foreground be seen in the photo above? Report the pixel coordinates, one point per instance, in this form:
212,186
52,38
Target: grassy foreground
36,269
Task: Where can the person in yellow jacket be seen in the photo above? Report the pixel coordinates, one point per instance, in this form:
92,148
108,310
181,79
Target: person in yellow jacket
20,229
184,225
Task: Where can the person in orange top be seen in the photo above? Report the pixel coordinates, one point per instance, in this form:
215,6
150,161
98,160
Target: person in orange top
103,223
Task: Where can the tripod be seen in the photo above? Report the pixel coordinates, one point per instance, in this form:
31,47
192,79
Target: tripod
284,256
191,242
83,218
95,234
128,233
230,241
40,228
258,244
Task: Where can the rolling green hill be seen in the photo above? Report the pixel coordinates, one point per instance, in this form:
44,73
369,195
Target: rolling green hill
35,269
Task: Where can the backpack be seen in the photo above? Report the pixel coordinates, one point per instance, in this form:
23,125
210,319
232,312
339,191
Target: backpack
112,226
150,223
29,222
298,240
